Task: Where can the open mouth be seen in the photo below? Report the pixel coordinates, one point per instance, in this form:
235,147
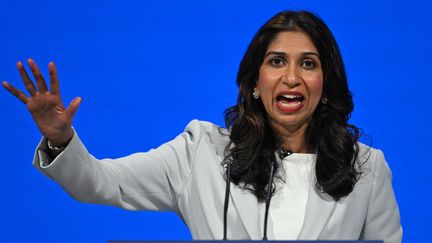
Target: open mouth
290,99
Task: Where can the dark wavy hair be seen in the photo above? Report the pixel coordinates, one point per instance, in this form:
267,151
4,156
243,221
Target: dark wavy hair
254,142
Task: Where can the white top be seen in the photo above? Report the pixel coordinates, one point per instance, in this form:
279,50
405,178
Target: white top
288,204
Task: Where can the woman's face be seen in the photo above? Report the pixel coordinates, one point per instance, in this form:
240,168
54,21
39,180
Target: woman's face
290,80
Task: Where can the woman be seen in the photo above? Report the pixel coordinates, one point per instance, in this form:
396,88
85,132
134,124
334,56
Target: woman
288,166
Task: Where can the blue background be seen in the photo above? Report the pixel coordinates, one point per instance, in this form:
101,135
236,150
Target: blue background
146,68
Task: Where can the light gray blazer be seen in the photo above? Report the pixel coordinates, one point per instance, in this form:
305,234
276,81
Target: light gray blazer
185,175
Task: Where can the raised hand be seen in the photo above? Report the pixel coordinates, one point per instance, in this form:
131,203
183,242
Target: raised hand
46,107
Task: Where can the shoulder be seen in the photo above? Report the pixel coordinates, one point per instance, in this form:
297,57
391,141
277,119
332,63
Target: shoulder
208,134
372,163
204,127
200,129
370,156
374,176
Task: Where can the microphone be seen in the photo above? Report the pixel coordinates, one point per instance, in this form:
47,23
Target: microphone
284,153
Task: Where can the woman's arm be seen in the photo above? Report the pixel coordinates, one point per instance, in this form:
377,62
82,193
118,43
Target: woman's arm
152,181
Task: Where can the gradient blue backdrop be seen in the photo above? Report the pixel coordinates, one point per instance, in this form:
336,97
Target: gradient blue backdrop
146,68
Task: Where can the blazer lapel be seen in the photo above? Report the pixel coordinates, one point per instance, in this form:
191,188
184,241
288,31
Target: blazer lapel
319,208
246,204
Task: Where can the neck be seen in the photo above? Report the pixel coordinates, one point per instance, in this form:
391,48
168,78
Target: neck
293,138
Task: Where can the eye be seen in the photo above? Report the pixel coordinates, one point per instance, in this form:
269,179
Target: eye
308,64
277,61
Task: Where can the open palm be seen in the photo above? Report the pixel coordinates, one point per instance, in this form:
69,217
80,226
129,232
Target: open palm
46,107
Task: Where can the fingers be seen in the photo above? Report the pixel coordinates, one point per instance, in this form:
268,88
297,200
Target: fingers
54,83
26,79
40,81
73,107
15,92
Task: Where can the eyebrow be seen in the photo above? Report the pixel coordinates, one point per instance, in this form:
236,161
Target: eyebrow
279,53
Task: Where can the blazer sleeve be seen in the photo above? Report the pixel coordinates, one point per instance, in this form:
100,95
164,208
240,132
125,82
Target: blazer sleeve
382,219
152,181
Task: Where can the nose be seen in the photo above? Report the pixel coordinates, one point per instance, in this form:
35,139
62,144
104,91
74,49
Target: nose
292,76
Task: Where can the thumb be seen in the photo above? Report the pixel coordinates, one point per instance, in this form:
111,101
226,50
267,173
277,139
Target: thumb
73,107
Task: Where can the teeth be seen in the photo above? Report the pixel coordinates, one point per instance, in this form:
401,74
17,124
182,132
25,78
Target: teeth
292,104
290,96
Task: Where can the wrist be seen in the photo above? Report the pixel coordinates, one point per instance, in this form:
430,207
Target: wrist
61,141
53,148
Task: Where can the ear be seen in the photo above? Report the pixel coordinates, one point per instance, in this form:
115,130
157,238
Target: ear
256,87
256,93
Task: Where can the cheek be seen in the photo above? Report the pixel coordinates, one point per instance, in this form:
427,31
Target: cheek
262,80
266,80
319,87
316,89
